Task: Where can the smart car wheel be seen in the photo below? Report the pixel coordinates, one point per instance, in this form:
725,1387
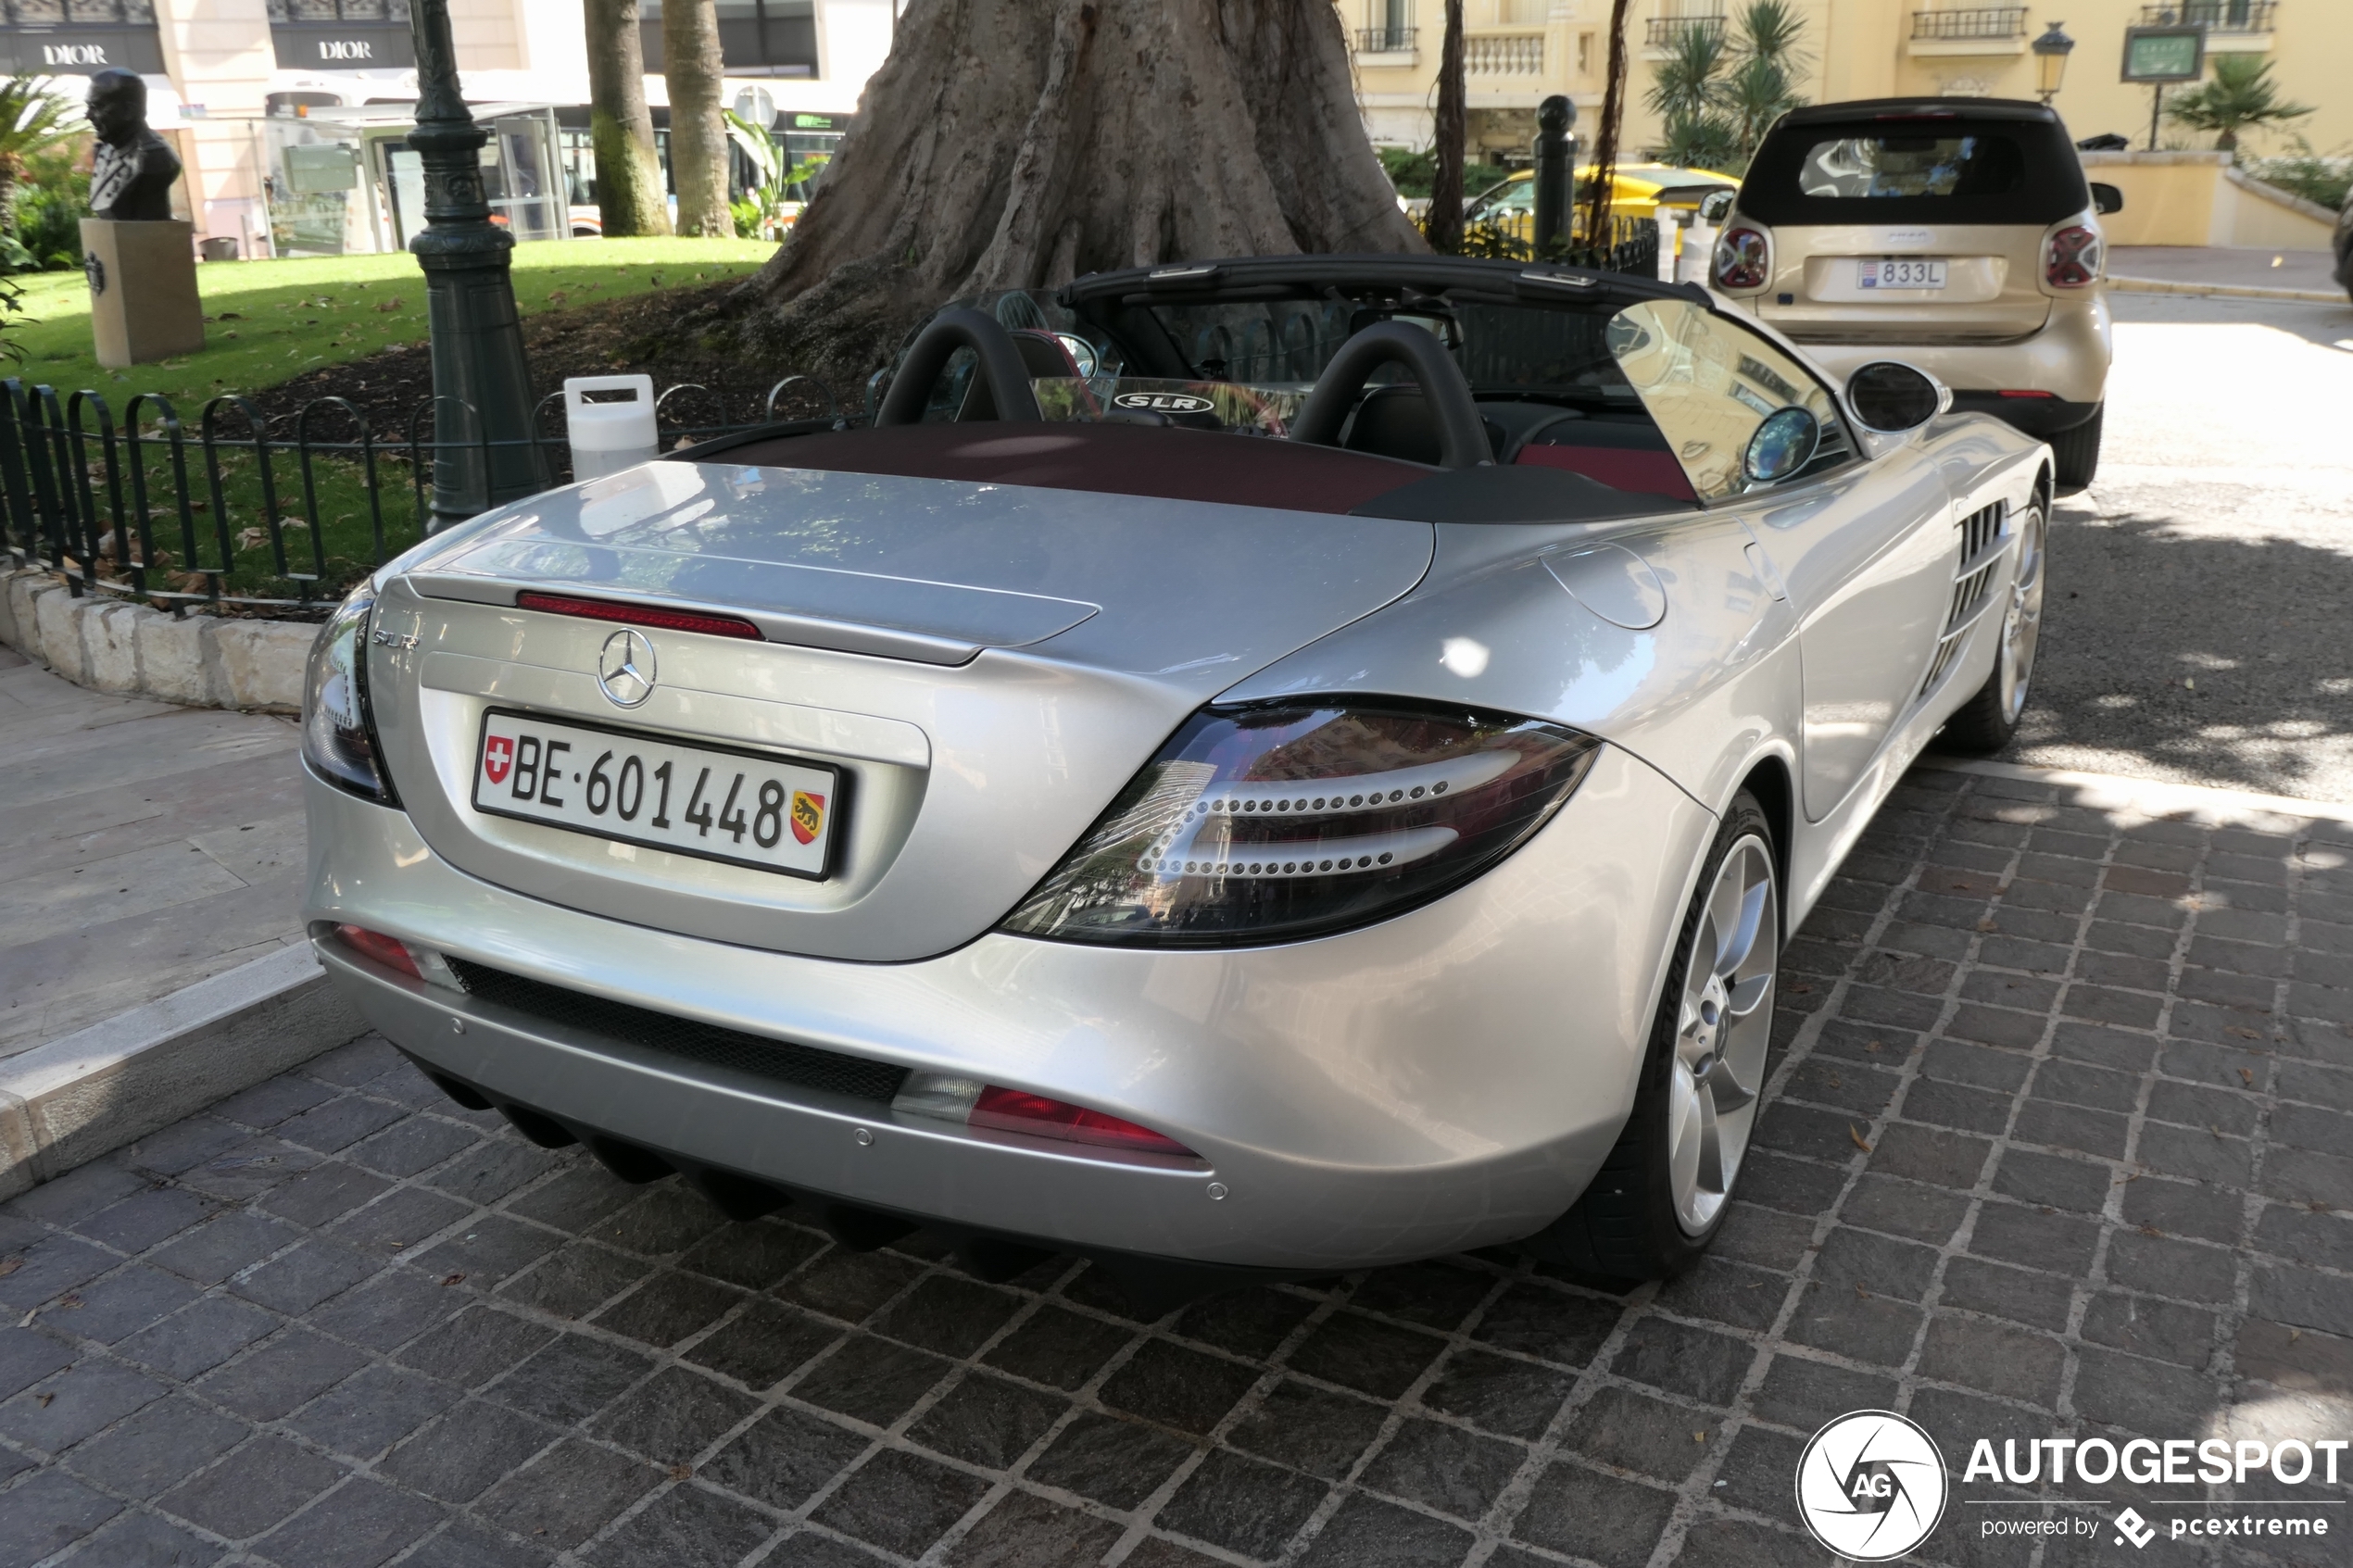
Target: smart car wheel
1985,723
2075,453
1660,1196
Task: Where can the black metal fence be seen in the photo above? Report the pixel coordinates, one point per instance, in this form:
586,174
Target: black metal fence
248,511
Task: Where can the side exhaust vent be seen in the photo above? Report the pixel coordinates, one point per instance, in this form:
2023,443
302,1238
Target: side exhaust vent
1985,534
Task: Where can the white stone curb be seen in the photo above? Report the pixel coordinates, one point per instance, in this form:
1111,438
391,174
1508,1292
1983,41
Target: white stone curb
99,1088
111,644
2227,291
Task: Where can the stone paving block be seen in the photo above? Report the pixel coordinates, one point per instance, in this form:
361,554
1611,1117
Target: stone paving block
253,1489
2088,1170
47,1513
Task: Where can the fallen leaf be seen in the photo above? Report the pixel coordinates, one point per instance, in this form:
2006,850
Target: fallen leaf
1834,1083
46,1399
249,537
2246,1077
1696,1437
1875,1046
1985,925
556,297
1860,1142
2151,1231
2294,1335
453,1279
384,307
2244,1034
9,1266
1800,990
1863,1293
682,1472
70,1300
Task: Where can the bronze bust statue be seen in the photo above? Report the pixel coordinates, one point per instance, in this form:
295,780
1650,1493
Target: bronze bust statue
131,177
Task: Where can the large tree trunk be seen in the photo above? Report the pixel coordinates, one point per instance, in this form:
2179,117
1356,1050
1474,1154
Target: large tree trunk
691,64
1602,188
621,129
1018,144
1444,224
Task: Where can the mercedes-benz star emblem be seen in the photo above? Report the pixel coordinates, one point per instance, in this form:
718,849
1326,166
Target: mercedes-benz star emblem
625,668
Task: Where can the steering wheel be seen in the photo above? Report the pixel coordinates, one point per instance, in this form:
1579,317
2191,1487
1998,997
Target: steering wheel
1462,435
1004,377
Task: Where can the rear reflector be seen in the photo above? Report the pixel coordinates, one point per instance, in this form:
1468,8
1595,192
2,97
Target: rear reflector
2023,391
638,615
389,951
1011,1110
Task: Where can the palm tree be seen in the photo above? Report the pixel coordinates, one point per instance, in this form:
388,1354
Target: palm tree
1719,95
1444,225
30,117
1685,92
2241,97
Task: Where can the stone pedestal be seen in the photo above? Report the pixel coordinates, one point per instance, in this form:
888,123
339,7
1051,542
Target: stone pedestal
142,290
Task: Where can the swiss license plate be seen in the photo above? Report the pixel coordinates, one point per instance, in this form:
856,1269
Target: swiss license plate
747,808
1892,273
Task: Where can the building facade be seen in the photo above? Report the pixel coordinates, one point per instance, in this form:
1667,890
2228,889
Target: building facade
224,75
1517,52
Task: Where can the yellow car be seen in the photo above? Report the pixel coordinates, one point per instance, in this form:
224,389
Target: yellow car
1634,192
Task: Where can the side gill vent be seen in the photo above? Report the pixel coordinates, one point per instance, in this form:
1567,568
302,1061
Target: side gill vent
1984,535
782,1061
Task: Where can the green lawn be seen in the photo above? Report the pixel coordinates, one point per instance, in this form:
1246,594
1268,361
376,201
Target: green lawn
270,321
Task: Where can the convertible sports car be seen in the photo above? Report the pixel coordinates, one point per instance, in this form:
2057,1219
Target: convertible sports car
1250,768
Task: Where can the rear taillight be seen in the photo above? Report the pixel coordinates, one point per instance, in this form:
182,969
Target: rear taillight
988,1106
2071,257
389,951
1742,259
338,730
1274,822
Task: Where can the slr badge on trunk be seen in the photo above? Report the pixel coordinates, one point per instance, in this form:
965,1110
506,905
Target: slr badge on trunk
625,668
807,816
498,758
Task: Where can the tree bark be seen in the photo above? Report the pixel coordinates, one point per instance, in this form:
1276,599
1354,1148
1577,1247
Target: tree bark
1018,144
1444,224
691,64
629,189
1602,190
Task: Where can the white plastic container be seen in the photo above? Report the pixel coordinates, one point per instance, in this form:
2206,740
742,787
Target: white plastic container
610,436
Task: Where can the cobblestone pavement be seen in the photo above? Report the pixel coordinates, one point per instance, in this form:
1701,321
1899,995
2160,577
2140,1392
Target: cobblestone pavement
2061,1141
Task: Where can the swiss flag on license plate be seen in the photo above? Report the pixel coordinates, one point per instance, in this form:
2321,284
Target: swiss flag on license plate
498,756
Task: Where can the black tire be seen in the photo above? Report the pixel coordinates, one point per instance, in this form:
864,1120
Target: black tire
1985,723
1625,1226
2075,453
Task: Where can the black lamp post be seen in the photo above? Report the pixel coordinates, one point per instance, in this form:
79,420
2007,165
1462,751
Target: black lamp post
2050,61
485,454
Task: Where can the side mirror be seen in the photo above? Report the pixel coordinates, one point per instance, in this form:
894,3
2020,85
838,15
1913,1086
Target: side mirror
2106,199
1891,397
1785,444
1715,206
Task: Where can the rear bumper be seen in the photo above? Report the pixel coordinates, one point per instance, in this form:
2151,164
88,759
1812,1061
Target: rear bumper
1445,1080
2067,358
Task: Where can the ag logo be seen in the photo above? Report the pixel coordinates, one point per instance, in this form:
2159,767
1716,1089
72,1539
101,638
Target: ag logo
1870,1486
498,758
807,816
1164,402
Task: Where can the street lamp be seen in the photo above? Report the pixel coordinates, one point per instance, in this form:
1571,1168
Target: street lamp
485,453
2050,61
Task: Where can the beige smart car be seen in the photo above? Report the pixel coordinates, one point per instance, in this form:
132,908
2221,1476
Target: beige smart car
1958,234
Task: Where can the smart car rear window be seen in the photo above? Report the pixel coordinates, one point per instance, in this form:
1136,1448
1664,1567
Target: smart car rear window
1938,170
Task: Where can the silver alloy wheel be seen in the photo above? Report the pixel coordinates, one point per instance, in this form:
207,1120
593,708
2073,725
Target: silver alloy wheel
1723,1023
2022,626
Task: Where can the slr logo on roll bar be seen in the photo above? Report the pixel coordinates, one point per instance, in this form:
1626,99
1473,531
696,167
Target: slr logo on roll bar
625,668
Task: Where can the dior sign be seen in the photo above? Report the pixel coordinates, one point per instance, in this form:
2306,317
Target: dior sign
340,47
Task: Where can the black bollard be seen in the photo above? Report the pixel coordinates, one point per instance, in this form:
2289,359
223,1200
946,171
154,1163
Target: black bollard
1555,173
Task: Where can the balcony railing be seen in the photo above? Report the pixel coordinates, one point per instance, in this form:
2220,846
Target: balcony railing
1663,32
1385,39
1507,54
2215,15
1975,21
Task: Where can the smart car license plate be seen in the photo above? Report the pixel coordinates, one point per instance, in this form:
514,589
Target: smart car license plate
747,808
1899,274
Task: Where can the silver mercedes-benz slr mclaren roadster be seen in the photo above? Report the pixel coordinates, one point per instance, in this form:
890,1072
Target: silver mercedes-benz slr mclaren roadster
1236,770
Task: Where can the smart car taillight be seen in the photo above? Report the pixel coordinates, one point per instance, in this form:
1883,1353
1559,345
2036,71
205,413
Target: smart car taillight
1742,259
1273,822
2071,257
990,1106
338,734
